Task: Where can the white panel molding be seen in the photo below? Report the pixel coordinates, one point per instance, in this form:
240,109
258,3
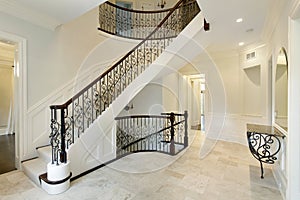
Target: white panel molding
234,129
42,108
280,168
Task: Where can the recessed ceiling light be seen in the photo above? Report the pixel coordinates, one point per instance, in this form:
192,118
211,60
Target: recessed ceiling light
239,20
241,43
249,30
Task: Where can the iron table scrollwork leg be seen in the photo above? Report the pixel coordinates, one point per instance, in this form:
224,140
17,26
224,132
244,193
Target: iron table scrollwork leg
264,147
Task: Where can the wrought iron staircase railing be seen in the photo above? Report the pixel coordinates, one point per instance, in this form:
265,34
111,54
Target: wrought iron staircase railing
138,24
70,120
166,133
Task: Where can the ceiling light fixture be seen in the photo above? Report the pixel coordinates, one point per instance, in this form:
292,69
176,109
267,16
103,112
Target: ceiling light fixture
239,20
241,43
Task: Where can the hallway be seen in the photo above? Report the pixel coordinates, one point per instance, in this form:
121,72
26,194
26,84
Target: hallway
228,172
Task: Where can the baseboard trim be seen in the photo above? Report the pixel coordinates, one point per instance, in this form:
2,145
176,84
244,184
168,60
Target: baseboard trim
280,181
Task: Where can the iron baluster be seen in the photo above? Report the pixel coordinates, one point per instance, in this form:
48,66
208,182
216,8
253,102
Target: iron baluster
172,131
186,139
63,153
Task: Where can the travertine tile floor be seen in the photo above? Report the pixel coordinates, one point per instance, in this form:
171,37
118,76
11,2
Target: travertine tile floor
228,172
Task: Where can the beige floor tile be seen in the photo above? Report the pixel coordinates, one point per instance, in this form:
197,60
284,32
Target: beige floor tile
227,171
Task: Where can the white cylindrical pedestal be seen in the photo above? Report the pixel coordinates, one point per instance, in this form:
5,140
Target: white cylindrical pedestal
58,178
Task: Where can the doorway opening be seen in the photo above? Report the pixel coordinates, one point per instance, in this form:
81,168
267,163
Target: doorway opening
198,101
7,105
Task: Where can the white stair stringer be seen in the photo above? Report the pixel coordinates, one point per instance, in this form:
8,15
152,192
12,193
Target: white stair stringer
96,145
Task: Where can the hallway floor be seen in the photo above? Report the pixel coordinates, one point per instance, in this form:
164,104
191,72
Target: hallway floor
228,172
7,153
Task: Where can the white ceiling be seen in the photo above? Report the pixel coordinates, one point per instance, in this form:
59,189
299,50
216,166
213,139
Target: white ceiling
225,33
48,13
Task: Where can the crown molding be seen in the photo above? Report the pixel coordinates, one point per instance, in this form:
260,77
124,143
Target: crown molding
273,18
21,11
295,9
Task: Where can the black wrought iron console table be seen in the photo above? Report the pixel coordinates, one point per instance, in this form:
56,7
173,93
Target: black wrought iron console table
264,143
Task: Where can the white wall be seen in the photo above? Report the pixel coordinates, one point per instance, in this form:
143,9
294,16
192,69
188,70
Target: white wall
170,93
246,101
147,102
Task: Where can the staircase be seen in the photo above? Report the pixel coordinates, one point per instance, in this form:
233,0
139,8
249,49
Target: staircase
91,111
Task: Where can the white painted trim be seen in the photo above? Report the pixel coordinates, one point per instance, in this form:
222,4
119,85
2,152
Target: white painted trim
280,180
3,131
21,82
293,150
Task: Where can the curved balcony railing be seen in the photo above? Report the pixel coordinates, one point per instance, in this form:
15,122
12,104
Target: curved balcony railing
71,119
137,24
166,133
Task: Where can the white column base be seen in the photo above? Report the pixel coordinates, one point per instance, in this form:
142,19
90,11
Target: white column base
57,188
57,179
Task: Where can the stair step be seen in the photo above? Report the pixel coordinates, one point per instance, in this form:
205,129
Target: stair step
33,168
45,153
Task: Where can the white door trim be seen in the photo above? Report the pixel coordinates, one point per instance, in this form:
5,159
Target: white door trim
20,80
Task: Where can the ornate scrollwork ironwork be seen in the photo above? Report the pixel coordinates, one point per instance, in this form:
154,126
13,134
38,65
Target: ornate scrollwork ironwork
263,144
54,138
138,24
150,133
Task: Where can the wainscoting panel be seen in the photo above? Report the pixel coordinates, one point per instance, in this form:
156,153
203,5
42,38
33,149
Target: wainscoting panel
38,116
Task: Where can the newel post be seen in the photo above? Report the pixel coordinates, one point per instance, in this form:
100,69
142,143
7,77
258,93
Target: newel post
172,144
63,153
186,138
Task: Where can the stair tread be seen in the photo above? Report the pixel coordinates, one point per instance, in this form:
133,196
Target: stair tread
45,153
33,168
